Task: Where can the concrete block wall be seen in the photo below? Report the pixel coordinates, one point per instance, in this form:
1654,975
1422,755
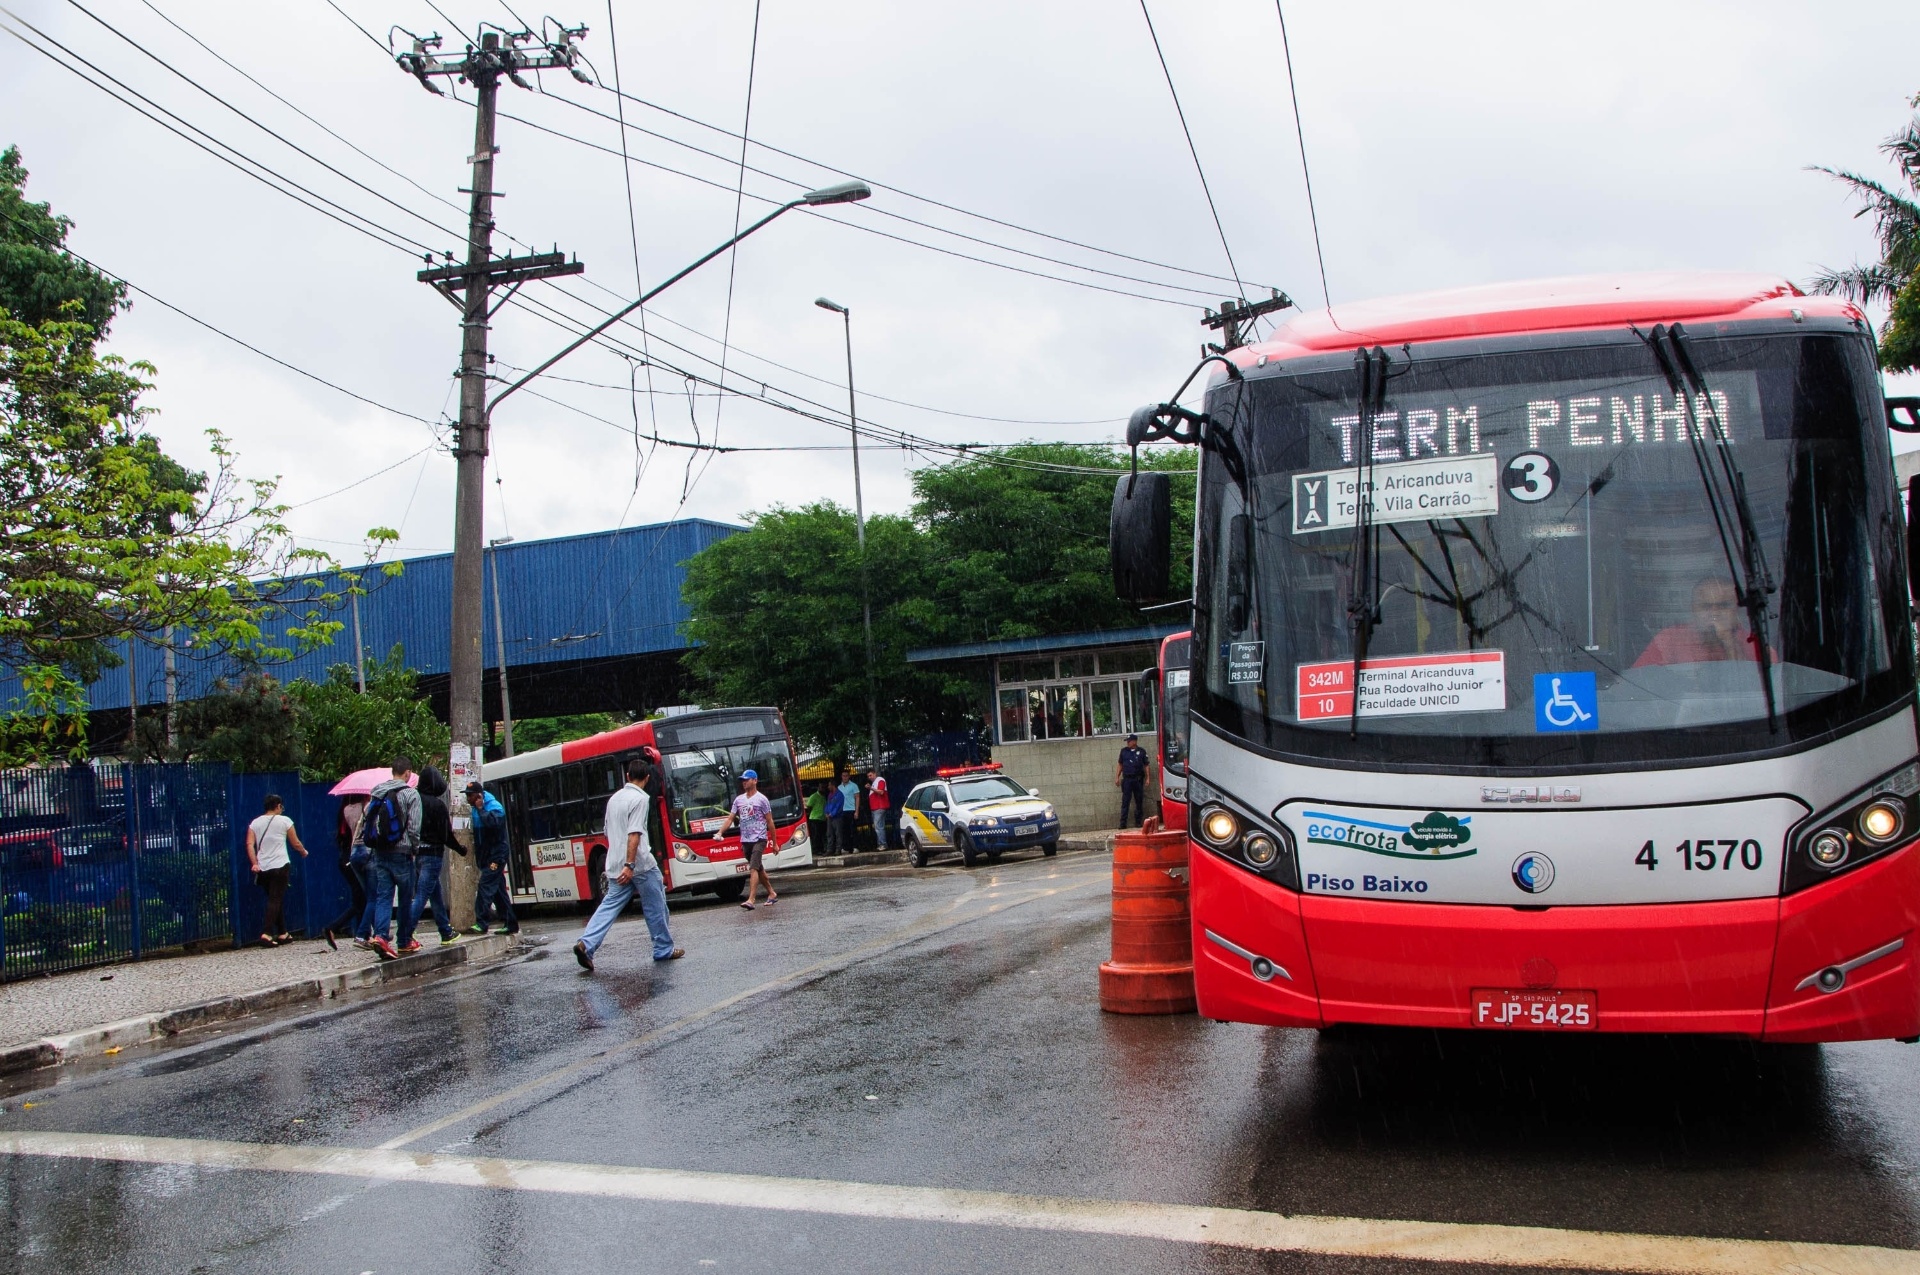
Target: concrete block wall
1076,775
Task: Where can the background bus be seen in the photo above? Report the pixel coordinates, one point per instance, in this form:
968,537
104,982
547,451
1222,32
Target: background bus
556,801
1176,653
1553,665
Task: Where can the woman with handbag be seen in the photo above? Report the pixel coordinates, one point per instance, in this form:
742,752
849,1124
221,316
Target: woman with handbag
268,838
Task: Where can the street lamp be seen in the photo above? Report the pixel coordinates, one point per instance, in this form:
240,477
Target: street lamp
468,579
500,643
860,528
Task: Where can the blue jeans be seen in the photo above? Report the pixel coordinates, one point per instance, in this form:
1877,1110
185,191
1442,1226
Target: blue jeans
392,871
653,904
493,894
426,889
881,818
1133,793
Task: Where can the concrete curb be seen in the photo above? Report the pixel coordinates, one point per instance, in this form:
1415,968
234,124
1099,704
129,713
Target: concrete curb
51,1051
859,859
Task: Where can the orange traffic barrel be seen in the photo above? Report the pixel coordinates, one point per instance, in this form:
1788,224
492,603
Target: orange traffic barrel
1152,967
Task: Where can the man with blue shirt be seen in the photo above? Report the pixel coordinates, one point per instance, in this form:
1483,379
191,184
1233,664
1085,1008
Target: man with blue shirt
836,806
490,853
753,815
1130,777
630,871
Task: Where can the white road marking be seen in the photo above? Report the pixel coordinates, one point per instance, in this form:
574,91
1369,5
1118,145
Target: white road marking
911,933
1457,1243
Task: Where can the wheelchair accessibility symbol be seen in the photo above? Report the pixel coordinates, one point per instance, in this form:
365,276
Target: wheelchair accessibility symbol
1565,702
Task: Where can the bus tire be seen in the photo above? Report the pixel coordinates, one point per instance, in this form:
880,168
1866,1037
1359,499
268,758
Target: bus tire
964,844
1049,848
731,891
596,878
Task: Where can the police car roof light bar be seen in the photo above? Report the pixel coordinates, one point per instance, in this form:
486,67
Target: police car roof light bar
948,772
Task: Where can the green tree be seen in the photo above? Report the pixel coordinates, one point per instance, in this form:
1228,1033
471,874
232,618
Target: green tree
538,732
776,618
345,731
1895,278
1019,537
38,280
254,725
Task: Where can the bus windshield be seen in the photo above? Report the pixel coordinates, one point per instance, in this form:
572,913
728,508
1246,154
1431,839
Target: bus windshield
1547,579
1173,722
702,783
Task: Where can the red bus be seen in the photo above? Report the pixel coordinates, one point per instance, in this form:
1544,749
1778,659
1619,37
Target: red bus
1553,665
556,802
1172,675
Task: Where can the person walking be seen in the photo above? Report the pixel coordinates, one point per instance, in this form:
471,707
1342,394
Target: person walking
1130,774
390,828
490,852
436,839
753,815
630,871
345,829
268,837
849,811
817,817
878,803
835,806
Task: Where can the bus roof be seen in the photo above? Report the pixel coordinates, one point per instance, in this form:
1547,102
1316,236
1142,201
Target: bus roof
621,739
1570,303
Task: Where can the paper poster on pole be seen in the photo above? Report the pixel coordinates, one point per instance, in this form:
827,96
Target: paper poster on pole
464,764
1454,682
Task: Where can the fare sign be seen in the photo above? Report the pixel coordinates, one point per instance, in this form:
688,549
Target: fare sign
1409,491
1457,682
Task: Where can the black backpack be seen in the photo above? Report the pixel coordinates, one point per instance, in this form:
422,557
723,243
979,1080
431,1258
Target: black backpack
384,828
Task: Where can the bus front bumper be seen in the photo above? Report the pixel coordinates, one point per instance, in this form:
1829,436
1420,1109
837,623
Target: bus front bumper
1748,967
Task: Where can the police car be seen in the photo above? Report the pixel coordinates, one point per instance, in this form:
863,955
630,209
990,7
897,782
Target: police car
978,812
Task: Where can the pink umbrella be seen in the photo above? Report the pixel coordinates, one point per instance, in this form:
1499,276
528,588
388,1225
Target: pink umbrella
362,782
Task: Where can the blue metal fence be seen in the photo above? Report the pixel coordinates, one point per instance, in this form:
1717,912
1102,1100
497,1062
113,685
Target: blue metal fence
108,863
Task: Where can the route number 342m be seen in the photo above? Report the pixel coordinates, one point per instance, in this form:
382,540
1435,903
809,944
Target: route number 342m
1706,854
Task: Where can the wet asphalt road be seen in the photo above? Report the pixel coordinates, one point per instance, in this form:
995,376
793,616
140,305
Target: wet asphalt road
933,1029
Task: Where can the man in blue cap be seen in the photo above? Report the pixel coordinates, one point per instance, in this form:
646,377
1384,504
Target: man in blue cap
753,815
1130,775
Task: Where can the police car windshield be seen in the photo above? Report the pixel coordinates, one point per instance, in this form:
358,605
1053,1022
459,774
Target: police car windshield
1548,578
988,788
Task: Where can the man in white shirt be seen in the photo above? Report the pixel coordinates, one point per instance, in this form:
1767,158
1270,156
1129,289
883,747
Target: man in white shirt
630,871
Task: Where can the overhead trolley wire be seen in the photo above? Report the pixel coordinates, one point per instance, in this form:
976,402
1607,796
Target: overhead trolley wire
1300,132
733,252
1191,148
385,235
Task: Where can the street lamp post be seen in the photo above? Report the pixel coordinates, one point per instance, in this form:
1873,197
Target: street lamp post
860,530
465,691
500,644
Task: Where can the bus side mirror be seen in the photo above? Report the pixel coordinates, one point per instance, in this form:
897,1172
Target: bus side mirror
1139,537
1913,538
1903,415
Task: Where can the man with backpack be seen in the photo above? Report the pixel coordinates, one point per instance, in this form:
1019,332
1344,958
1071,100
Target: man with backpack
490,852
436,839
390,828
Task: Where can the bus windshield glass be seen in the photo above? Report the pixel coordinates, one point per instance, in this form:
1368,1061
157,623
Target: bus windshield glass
702,783
1173,723
1553,569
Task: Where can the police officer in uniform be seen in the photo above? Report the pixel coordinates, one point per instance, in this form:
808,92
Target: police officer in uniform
1130,777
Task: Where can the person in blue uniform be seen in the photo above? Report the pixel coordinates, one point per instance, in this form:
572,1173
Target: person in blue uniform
1130,775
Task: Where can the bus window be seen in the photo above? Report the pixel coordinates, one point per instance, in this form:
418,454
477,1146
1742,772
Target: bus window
540,813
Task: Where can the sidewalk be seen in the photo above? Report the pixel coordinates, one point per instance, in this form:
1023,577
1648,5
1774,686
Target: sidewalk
44,1021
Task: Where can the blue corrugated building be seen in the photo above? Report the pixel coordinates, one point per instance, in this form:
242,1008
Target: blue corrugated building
592,624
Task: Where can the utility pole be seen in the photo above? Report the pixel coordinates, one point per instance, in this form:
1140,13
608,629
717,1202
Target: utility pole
469,286
359,647
1234,320
173,696
500,645
860,533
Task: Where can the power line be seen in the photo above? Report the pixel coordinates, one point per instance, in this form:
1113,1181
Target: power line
384,235
356,26
639,286
926,199
1300,132
1192,149
368,478
733,253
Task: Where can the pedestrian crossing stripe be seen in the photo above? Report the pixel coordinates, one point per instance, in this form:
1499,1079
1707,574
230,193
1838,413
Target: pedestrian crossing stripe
1455,1243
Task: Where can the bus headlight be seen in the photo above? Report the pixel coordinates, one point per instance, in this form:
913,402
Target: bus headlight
799,837
684,852
1880,822
1260,849
1218,826
1829,849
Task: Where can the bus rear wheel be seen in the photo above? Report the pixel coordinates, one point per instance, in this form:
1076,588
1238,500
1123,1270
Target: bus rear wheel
596,880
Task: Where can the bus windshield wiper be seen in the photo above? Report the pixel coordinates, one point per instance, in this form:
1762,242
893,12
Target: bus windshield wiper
1732,514
1363,604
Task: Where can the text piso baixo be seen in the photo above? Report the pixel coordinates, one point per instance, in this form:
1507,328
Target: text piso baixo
1586,420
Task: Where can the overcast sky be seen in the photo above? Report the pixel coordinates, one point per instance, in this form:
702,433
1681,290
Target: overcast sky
1450,145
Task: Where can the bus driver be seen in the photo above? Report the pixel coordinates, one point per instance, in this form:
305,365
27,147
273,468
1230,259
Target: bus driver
1715,632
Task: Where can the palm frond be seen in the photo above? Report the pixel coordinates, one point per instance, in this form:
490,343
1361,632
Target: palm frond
1896,220
1860,284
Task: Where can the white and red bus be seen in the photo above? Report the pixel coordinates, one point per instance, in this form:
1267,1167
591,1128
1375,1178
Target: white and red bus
1617,569
556,802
